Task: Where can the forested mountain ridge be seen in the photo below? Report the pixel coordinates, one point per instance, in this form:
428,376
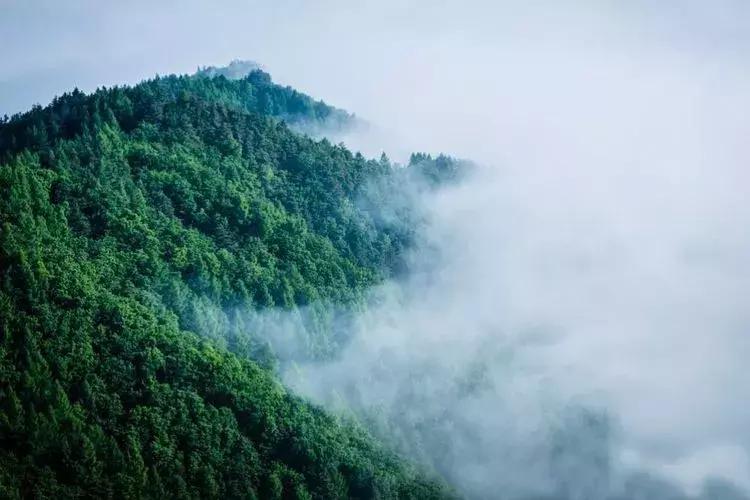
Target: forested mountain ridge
126,216
255,93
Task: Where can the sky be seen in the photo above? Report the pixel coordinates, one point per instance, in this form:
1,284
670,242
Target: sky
350,53
605,247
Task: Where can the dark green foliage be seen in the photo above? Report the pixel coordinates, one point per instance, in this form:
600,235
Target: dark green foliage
438,171
198,197
121,213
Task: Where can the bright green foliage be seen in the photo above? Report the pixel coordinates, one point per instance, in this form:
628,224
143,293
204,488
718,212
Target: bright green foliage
192,195
121,213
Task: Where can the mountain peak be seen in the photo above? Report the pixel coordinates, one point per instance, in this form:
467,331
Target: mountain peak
235,70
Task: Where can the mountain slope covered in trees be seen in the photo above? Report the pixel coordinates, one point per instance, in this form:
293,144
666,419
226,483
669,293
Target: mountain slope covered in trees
129,216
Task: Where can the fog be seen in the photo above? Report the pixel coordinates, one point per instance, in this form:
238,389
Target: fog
542,304
599,261
584,329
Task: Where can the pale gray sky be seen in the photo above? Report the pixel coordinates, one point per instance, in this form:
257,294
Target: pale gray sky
346,52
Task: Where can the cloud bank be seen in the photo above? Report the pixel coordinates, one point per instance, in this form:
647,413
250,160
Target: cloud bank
585,331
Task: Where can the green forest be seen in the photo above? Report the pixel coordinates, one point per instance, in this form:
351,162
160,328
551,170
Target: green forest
134,220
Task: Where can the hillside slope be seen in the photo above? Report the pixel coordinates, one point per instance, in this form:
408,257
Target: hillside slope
126,216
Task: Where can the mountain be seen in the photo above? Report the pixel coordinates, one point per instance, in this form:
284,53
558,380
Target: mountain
235,70
137,224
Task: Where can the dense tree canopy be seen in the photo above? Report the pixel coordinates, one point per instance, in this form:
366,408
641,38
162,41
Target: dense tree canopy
126,215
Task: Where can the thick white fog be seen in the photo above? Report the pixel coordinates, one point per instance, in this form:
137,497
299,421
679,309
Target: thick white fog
552,298
602,259
587,324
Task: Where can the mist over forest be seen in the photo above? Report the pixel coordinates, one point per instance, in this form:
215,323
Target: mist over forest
387,250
